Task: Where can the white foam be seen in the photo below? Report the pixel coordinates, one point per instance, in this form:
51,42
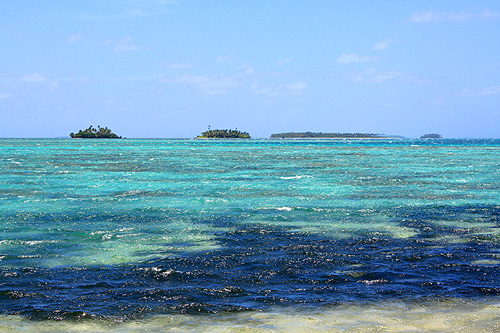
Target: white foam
287,209
296,177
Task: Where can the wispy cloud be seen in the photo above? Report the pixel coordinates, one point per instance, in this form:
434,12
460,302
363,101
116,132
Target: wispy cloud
5,95
487,91
382,45
127,14
124,45
33,78
129,78
75,38
209,84
348,58
128,9
178,65
432,16
244,78
489,15
224,58
290,89
373,75
283,62
247,69
296,88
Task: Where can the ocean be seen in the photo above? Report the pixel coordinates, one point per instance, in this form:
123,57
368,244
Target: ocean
249,235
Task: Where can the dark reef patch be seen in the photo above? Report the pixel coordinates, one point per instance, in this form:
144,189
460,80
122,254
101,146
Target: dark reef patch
260,266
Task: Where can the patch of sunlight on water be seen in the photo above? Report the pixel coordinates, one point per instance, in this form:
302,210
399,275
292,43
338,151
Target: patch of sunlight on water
343,231
116,253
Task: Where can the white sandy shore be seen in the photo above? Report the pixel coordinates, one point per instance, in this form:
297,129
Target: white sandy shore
442,316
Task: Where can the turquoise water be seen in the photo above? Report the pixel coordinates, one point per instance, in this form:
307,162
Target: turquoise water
214,234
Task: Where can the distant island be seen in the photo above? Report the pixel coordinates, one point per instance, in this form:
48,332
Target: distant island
224,134
305,135
431,136
95,133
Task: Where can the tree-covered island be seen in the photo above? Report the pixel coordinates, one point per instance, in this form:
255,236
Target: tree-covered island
95,133
224,134
315,135
431,136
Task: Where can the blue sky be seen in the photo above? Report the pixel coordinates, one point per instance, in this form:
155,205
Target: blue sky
171,68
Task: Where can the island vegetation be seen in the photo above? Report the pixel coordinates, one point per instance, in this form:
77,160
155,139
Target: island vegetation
306,135
431,136
224,134
95,133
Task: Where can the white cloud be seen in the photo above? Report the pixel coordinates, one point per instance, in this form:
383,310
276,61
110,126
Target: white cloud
347,58
5,95
431,16
33,78
487,91
382,45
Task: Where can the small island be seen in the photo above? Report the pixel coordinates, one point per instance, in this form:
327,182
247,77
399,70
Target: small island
315,135
224,134
431,136
95,133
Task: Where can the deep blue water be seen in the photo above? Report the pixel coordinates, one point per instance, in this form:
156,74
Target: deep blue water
131,229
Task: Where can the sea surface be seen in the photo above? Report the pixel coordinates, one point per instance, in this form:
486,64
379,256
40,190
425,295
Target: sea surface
249,235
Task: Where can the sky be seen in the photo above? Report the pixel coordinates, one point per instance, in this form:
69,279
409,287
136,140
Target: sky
172,68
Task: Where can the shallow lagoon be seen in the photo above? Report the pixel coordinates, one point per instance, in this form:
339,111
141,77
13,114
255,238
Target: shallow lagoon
256,234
